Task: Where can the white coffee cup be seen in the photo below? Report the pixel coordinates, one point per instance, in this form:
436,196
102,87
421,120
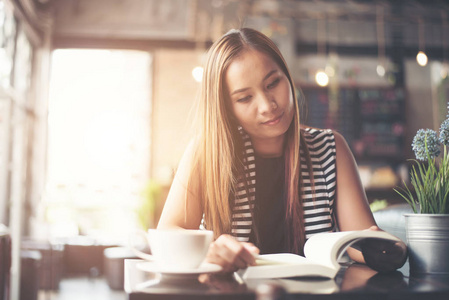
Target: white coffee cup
176,249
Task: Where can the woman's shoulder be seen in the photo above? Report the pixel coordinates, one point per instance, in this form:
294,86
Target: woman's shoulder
312,134
318,138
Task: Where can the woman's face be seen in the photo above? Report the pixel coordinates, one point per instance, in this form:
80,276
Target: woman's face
260,95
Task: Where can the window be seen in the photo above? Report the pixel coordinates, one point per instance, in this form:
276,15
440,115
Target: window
99,141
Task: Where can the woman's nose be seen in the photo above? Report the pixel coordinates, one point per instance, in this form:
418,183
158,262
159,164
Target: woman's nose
267,103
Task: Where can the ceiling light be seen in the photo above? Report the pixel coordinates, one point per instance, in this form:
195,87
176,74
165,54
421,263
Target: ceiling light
421,58
197,74
321,78
380,70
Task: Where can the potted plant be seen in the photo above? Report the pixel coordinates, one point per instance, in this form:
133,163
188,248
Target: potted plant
427,229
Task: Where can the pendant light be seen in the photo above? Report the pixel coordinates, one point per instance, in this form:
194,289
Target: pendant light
202,35
444,67
421,57
380,69
321,78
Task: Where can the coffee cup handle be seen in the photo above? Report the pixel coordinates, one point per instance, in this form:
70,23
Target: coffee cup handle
136,251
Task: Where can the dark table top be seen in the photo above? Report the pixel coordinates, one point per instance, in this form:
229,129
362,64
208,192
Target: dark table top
354,281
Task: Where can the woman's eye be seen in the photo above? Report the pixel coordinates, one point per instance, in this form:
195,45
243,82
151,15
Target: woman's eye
273,84
244,99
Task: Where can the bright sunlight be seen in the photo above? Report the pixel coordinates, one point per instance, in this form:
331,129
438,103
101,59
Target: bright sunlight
99,141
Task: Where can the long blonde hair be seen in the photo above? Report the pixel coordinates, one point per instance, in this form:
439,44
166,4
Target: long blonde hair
218,160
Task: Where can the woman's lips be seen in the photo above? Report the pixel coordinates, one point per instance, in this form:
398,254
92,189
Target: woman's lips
273,121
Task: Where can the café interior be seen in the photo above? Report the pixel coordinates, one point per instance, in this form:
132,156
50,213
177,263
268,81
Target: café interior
96,101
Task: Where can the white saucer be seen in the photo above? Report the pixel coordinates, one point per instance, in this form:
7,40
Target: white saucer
152,267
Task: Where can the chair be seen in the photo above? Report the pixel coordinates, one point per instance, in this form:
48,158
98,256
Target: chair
391,219
5,262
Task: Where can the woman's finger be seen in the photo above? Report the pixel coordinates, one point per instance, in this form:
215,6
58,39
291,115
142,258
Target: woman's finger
231,254
251,250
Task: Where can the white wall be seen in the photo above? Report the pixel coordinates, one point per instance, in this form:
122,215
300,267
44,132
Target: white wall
419,105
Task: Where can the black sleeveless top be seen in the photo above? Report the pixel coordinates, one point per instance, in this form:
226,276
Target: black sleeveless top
269,208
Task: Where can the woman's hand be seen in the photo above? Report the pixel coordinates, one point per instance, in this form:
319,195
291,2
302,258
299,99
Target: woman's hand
231,254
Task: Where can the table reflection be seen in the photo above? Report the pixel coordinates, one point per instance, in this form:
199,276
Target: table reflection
353,280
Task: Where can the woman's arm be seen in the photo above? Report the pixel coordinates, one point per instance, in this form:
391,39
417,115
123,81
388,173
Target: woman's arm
182,207
354,213
352,209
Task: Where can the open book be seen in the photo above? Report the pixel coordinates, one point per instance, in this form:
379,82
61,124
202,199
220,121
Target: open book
322,254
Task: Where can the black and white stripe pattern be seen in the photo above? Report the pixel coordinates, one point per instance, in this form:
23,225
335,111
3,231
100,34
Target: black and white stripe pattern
318,204
244,202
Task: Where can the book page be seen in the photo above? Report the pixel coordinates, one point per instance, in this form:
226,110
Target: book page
327,248
285,265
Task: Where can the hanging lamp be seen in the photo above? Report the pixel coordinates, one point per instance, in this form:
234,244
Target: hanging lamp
421,57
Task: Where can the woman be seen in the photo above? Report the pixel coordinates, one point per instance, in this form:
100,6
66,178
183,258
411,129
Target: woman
254,175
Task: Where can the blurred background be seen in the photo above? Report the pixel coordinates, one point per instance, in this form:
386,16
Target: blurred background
95,101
